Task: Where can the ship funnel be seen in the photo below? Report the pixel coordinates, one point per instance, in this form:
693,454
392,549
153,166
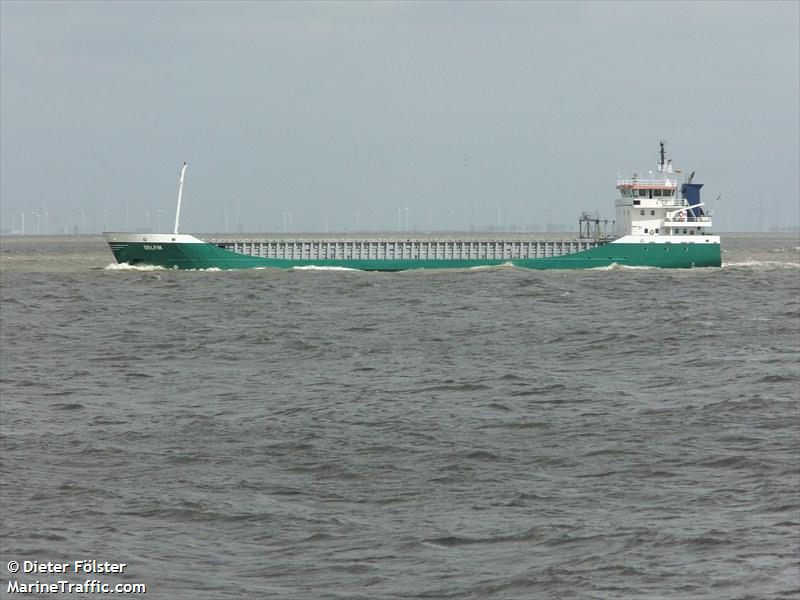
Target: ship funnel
691,191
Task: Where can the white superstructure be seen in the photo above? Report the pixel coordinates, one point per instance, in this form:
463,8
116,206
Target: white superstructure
659,205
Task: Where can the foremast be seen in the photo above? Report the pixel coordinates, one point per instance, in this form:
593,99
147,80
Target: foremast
180,195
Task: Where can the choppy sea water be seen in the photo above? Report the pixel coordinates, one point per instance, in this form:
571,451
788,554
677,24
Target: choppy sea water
495,433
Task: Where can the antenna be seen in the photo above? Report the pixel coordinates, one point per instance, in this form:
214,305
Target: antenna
180,193
716,203
663,154
691,177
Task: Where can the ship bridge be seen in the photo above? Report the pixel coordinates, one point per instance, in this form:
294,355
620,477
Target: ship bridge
660,204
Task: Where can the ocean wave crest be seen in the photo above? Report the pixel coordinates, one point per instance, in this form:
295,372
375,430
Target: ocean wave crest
761,264
618,267
318,268
128,267
505,265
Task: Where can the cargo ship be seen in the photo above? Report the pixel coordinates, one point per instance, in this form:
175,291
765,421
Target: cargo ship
660,222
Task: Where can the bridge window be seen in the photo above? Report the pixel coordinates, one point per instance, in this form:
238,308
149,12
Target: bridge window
657,193
643,193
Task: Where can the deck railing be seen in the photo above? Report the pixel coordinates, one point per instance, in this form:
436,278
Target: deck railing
706,220
671,183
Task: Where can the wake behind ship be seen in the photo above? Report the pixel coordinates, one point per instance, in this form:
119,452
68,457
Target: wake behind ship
660,222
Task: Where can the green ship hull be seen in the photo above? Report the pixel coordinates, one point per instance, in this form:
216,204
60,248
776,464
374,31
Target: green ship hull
205,255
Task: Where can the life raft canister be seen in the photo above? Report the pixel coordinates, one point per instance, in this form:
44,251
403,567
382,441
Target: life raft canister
682,215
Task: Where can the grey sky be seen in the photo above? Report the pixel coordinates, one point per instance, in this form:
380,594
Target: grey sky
451,109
